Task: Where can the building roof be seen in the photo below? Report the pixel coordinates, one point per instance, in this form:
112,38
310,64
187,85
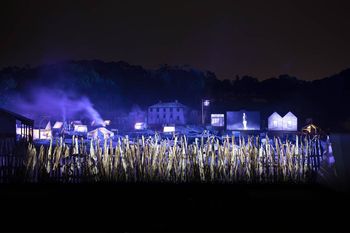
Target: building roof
290,114
274,115
58,125
17,116
174,104
100,131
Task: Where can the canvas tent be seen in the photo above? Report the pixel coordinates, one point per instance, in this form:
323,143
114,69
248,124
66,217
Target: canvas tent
101,133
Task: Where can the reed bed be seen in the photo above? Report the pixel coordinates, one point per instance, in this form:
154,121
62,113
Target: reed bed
206,160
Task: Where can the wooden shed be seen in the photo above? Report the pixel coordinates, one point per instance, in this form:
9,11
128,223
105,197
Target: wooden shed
13,124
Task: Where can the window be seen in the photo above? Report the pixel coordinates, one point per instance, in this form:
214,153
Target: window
215,121
289,123
158,116
163,109
178,109
178,118
171,116
171,109
275,123
151,109
164,116
157,109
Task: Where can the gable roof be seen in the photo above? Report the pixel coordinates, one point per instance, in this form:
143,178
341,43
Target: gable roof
17,116
168,105
275,114
290,114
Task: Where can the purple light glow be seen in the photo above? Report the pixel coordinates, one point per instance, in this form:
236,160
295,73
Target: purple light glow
57,104
139,125
168,129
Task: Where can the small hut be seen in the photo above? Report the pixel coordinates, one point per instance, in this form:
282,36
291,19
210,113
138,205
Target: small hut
101,133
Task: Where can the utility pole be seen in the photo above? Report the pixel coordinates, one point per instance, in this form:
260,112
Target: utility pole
202,114
205,103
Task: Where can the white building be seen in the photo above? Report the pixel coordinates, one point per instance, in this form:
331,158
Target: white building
287,123
101,133
290,122
167,113
275,122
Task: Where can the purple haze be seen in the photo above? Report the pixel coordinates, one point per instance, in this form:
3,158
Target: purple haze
55,104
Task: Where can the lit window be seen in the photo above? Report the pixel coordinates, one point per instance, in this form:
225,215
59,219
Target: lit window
215,120
275,123
289,123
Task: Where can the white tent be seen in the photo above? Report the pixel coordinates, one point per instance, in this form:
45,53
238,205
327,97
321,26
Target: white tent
58,125
101,133
48,126
80,128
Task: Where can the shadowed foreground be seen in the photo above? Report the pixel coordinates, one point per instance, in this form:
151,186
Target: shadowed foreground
195,207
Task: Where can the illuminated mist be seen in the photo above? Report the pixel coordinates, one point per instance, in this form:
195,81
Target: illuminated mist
57,105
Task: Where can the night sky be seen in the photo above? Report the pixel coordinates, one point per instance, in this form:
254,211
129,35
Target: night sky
307,39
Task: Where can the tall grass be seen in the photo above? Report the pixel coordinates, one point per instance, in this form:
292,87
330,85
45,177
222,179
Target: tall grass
176,161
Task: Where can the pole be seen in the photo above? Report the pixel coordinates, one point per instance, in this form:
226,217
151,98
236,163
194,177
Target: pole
202,114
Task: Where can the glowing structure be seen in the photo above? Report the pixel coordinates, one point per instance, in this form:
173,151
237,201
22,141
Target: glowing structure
311,129
169,129
44,134
243,120
205,104
59,128
80,128
140,126
217,120
58,125
167,113
287,123
290,122
275,122
101,133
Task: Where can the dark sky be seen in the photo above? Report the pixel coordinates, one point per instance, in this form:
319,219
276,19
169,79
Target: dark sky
307,39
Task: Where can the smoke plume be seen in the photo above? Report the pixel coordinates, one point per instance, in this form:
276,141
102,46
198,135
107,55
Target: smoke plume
55,104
